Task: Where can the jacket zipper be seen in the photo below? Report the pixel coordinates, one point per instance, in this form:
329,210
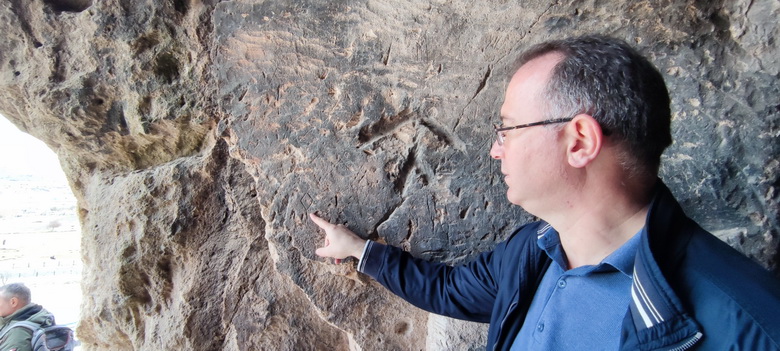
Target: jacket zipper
688,344
503,321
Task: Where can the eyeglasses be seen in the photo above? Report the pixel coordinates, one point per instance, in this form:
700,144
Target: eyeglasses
500,135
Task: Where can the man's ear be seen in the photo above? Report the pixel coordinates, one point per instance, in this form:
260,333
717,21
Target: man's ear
584,140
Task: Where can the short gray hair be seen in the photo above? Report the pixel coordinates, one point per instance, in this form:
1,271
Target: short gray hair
609,80
17,290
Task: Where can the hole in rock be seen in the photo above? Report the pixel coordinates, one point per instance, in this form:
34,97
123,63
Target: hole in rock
401,328
40,233
167,67
68,5
181,6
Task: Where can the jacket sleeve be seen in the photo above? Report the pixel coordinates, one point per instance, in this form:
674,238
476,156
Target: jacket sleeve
465,292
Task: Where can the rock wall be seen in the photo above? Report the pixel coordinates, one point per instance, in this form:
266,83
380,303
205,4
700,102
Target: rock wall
197,135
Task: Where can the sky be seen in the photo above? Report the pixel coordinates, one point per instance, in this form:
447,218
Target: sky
23,154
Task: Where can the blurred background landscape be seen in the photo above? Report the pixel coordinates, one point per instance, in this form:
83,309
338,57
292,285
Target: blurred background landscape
40,234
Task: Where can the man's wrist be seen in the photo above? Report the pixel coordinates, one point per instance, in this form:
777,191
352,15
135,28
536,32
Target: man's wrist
360,250
363,255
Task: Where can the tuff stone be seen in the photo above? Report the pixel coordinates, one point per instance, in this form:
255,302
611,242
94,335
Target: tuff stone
197,135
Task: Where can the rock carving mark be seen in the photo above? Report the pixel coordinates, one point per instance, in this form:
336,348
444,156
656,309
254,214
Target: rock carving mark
385,125
443,134
385,217
480,87
483,82
68,5
389,124
303,200
399,183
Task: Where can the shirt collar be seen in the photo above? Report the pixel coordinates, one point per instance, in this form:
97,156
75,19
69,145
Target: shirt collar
621,259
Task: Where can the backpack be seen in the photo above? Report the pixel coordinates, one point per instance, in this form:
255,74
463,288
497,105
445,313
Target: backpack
51,338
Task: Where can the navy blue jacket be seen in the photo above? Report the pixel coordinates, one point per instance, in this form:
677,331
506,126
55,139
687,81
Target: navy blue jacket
690,291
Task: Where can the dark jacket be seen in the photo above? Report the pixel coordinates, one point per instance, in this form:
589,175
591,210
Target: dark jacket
20,338
690,290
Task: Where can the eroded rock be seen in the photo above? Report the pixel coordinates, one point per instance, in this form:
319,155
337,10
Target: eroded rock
197,135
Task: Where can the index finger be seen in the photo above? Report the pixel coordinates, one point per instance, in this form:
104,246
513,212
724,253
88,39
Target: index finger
319,221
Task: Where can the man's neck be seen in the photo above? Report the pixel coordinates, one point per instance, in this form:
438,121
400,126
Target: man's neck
600,219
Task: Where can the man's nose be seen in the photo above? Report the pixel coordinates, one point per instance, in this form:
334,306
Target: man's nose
496,151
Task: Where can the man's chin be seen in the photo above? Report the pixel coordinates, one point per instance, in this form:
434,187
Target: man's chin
513,199
518,201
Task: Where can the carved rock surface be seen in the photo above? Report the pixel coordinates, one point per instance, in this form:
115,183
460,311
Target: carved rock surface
197,135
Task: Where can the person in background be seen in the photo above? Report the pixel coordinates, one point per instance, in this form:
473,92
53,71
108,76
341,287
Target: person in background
15,306
614,262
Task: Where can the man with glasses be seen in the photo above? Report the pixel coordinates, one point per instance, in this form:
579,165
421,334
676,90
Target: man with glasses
614,263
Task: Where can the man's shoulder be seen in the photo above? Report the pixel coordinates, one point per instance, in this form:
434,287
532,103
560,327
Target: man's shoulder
717,277
17,335
713,260
688,254
43,317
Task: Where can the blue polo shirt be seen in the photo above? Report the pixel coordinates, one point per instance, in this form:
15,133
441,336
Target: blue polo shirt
582,308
